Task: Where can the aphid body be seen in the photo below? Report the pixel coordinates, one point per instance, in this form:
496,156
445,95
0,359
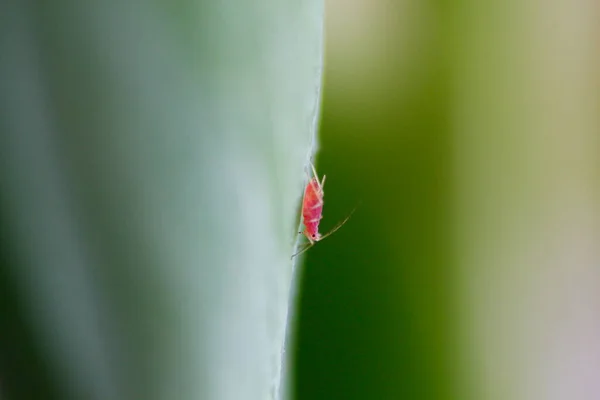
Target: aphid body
312,209
312,212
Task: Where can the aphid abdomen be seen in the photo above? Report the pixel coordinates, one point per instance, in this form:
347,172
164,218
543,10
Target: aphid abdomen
312,208
312,212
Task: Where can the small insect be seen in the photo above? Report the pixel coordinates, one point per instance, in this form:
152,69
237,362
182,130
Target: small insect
312,212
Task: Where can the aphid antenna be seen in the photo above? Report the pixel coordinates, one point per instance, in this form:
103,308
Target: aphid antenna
339,225
304,248
331,232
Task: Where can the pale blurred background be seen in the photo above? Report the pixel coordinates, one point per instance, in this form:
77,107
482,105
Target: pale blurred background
471,270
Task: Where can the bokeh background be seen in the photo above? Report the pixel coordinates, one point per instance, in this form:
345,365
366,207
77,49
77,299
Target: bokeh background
468,132
150,164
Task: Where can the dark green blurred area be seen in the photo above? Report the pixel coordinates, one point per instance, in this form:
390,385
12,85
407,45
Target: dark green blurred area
25,373
376,306
377,297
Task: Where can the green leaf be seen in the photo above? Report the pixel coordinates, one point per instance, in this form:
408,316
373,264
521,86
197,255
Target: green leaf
152,165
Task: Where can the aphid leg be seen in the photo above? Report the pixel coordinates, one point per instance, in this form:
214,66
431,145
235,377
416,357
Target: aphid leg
318,186
319,204
314,170
317,177
304,248
338,226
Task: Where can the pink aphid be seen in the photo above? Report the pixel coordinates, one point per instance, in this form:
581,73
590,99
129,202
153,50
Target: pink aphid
312,212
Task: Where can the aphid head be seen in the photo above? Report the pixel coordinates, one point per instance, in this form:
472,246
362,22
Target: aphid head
315,237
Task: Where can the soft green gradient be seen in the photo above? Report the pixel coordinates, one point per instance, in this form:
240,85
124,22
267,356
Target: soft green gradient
471,269
151,162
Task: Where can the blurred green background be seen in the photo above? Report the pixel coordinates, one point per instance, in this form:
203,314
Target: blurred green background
470,270
377,297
